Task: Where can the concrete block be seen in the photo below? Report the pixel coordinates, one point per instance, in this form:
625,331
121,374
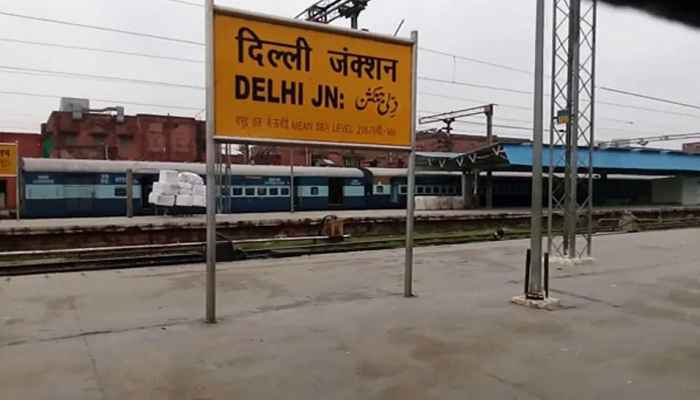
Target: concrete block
548,303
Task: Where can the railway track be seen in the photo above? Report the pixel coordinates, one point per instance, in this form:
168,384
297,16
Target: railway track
122,257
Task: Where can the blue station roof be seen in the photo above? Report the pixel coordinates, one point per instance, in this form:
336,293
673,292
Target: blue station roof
518,157
611,160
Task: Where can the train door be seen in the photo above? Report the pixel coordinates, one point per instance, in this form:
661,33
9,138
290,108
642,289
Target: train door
79,194
335,192
3,195
146,182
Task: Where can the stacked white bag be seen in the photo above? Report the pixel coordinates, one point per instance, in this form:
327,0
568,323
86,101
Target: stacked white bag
192,189
184,189
164,191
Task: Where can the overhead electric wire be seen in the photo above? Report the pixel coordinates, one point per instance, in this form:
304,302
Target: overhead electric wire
101,28
505,105
497,88
99,50
604,88
644,96
135,103
98,77
186,3
475,60
478,123
476,85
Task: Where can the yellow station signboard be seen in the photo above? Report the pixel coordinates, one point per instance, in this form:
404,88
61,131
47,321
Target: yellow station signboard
8,159
284,81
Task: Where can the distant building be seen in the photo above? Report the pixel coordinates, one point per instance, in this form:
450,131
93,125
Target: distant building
692,148
140,137
310,156
29,146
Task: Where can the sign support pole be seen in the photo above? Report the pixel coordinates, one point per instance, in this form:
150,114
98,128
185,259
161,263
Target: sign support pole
18,185
534,288
210,156
291,179
411,177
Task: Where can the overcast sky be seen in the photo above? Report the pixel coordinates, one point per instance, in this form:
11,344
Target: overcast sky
635,52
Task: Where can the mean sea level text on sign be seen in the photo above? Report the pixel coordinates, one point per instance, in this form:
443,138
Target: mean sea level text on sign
300,125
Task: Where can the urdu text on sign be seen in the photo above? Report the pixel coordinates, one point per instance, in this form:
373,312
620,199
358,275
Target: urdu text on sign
285,82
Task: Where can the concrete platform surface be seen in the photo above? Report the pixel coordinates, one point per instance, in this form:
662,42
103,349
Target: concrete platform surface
337,327
232,218
268,217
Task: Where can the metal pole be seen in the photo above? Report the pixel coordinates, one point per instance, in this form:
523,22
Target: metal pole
489,173
211,158
291,179
411,177
552,138
465,192
572,132
591,144
353,20
18,184
535,282
129,193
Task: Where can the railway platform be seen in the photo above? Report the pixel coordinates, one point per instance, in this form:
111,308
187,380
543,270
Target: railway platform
339,328
40,234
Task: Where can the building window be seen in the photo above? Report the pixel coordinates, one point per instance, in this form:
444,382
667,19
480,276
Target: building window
124,142
274,192
250,191
69,138
262,191
314,191
99,140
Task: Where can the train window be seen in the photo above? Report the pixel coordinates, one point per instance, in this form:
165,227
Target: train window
237,191
420,189
274,192
428,190
120,192
262,191
314,191
285,191
379,189
403,189
436,189
250,191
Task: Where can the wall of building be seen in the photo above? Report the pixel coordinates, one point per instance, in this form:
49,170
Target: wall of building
140,137
691,191
29,146
693,148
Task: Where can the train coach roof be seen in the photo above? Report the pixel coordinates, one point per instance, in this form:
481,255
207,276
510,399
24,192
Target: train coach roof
390,172
140,167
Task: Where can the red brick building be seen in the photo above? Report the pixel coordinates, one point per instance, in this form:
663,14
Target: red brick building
29,146
140,137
